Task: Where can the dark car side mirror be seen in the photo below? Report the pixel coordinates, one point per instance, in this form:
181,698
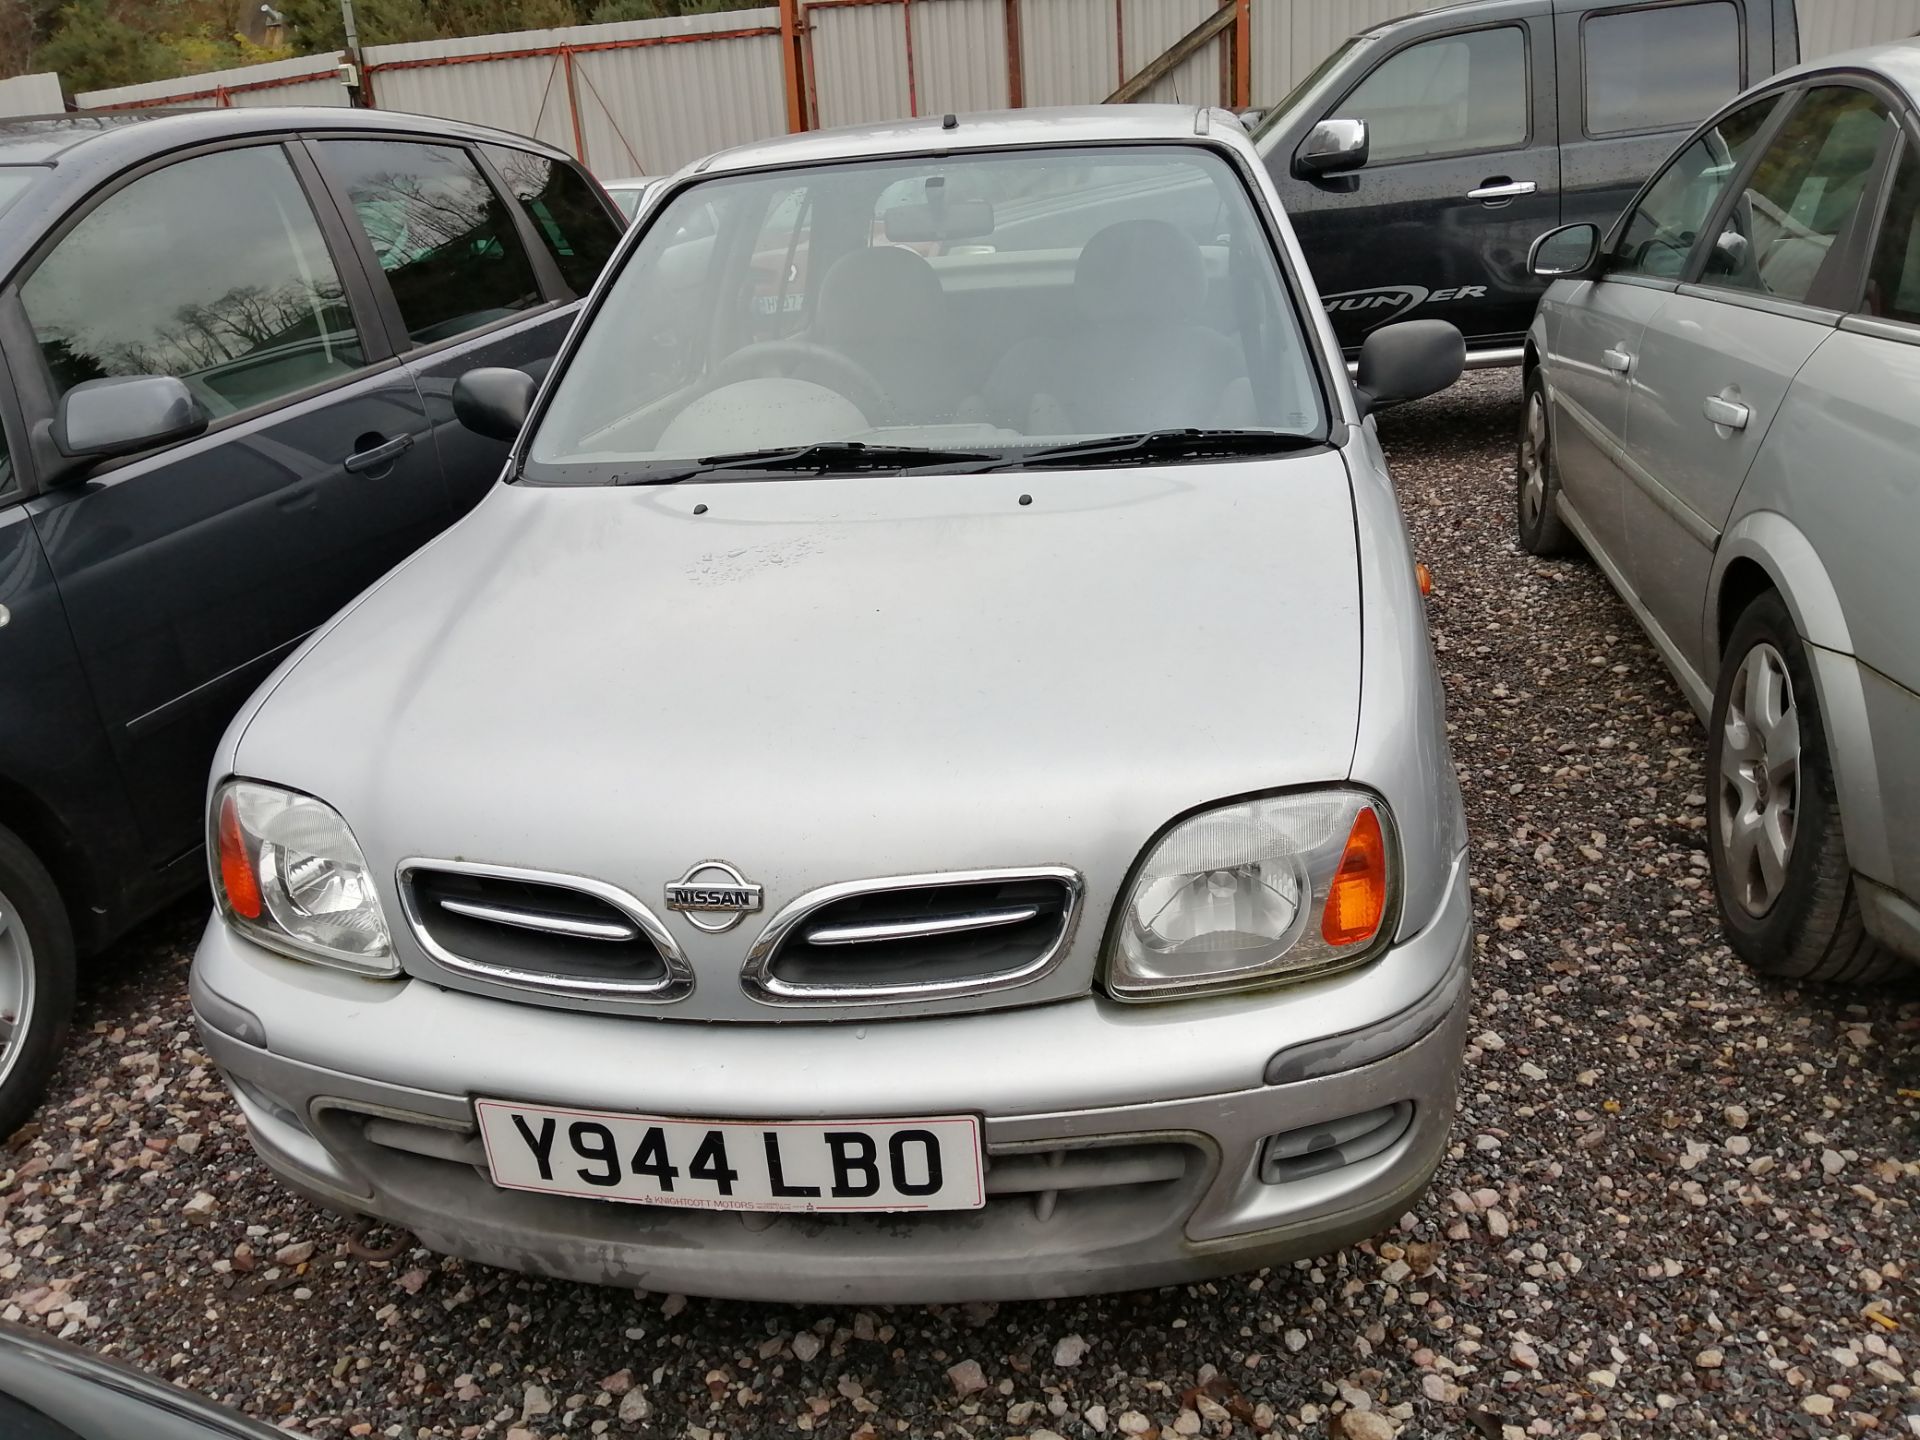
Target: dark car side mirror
493,401
101,419
1408,361
1567,253
1331,147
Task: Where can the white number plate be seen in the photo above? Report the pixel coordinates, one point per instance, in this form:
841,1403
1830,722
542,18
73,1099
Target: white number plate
931,1164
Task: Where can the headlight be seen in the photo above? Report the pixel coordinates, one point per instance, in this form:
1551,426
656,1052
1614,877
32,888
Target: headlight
289,874
1257,891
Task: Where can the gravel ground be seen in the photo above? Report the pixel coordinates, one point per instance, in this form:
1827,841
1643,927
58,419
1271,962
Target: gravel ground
1679,1201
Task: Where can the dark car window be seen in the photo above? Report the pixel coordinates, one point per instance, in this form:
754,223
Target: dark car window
1658,69
570,220
1659,232
445,239
1800,197
1893,283
213,270
1451,95
20,1421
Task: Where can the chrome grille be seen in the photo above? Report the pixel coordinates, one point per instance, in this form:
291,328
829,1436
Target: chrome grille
915,937
533,930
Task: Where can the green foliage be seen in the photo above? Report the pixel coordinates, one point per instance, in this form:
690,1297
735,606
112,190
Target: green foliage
608,11
315,25
93,48
497,17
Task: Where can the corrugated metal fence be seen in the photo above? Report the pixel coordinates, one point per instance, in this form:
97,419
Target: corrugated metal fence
645,97
31,95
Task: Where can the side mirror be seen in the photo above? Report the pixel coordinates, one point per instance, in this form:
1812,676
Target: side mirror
101,419
1407,361
1566,253
1331,147
493,401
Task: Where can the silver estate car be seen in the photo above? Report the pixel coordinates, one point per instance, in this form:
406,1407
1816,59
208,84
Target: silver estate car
1723,408
926,781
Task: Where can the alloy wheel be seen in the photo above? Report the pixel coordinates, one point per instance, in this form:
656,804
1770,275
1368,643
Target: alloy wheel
1533,461
1759,781
16,985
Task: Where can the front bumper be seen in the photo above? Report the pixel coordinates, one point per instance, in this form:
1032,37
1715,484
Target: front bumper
1124,1141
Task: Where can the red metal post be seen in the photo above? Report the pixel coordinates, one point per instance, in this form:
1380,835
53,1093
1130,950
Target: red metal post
906,26
1242,47
573,104
813,74
1016,80
792,70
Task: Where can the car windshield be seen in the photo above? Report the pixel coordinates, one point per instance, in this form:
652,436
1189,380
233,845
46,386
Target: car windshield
977,306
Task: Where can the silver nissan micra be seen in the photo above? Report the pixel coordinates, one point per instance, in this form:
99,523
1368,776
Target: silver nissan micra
925,781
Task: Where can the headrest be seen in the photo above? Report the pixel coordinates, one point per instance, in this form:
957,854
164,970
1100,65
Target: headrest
1140,270
881,293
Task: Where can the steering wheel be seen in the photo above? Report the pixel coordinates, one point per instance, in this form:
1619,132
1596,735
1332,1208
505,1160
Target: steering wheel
795,358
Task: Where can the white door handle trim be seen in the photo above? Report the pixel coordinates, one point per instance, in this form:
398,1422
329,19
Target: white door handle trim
1505,191
1618,361
1730,413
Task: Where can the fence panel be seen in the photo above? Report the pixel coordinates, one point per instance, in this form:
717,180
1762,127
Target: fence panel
1072,51
527,95
960,55
31,95
650,110
305,80
1150,27
1830,25
859,57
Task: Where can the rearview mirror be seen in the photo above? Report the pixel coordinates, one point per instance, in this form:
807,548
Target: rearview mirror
493,401
940,220
1331,147
101,419
1408,361
1565,253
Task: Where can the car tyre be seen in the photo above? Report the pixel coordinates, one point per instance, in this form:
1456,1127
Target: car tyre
36,979
1537,478
1774,836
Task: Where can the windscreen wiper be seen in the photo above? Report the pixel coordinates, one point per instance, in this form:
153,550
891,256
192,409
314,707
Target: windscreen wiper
829,457
1183,444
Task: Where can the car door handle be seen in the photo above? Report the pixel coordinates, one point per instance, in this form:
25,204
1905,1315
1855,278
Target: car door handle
1618,361
376,456
1494,188
1730,413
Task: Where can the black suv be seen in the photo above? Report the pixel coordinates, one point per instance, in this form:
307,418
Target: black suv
228,343
1488,124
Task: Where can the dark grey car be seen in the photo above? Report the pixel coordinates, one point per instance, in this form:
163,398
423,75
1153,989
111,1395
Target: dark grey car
1484,125
228,342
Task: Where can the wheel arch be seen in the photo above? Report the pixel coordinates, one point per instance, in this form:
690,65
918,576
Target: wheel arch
52,842
1765,551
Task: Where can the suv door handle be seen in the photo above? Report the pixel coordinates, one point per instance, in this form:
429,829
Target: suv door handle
1618,361
1730,413
376,456
1496,187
